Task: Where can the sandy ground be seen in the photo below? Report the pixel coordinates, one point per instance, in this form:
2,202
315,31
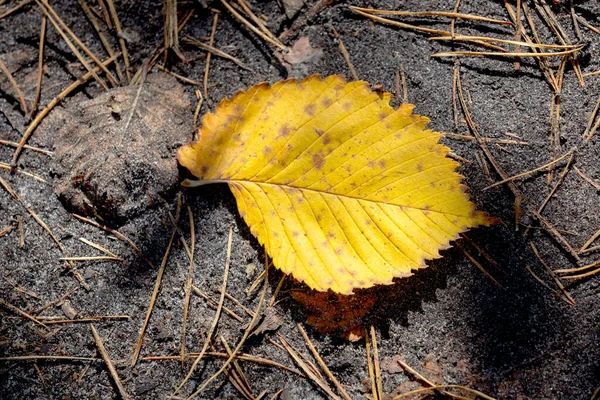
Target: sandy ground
448,321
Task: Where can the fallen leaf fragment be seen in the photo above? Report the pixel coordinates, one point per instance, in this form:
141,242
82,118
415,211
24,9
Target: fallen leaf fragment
271,321
301,52
336,313
342,190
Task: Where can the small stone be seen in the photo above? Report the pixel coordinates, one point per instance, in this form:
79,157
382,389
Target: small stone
68,310
250,271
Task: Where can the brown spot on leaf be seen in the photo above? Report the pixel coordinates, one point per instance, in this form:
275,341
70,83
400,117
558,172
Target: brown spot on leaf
267,150
347,106
382,115
319,132
310,109
326,139
326,102
382,163
285,131
419,167
318,160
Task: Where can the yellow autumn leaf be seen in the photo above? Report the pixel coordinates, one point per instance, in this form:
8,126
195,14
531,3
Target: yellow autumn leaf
342,190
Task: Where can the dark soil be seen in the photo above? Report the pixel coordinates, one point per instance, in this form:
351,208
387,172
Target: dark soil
449,321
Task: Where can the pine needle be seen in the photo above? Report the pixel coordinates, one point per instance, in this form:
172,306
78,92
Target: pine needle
66,32
239,356
501,54
38,87
61,358
587,178
244,336
346,55
443,387
274,41
530,172
28,147
552,274
307,370
20,171
50,106
115,19
188,285
111,368
211,42
371,369
203,46
376,362
161,271
579,269
317,357
41,223
213,325
480,267
445,14
466,38
105,43
15,86
17,310
98,247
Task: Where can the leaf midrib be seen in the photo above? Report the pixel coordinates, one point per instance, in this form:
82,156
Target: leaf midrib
242,181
